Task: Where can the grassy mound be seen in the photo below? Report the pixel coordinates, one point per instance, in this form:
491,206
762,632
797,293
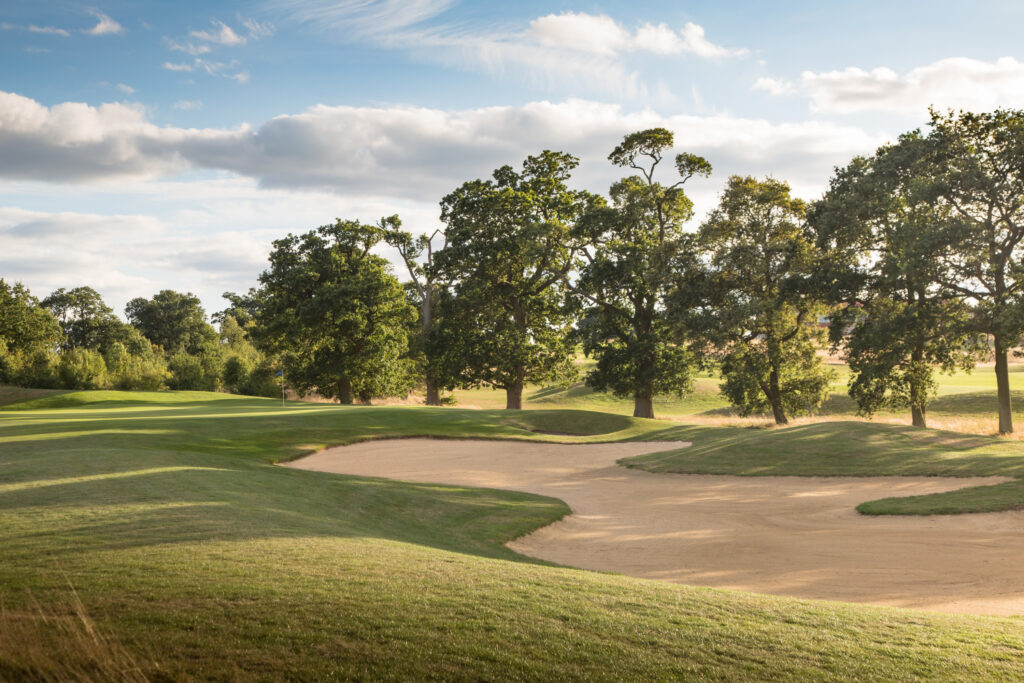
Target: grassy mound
193,557
860,449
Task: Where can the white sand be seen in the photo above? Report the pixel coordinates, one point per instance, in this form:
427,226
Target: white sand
798,536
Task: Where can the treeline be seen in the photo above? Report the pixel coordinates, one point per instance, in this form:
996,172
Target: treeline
72,340
910,263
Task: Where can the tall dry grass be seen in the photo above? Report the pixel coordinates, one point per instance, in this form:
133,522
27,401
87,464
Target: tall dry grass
61,642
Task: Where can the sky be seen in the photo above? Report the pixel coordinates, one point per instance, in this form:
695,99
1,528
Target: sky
166,144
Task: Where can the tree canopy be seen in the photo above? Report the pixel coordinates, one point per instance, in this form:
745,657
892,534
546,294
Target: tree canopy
976,173
510,247
172,320
884,235
636,250
335,313
760,316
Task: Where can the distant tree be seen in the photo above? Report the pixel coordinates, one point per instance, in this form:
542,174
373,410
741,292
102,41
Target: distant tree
638,249
427,289
335,313
759,316
29,335
86,321
174,321
25,326
242,309
510,248
884,235
977,173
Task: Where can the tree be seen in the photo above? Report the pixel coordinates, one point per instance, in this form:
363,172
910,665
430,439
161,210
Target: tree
418,255
510,247
638,249
977,171
884,235
759,316
174,321
25,326
87,322
335,313
29,335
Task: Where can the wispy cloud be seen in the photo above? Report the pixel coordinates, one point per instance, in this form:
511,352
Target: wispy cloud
32,28
104,25
221,34
188,104
584,50
957,82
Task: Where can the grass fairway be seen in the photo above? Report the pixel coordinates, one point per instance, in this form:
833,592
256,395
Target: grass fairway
196,557
859,449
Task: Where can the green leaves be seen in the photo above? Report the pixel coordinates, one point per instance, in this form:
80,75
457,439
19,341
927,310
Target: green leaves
638,250
890,235
759,309
335,313
511,244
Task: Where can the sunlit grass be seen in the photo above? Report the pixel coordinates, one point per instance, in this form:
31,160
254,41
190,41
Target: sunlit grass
194,557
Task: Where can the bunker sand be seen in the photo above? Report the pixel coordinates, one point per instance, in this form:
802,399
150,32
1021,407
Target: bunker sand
796,536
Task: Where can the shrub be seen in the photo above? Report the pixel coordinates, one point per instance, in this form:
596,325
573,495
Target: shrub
81,369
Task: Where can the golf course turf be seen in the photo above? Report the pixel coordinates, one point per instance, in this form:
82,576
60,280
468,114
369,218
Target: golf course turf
194,556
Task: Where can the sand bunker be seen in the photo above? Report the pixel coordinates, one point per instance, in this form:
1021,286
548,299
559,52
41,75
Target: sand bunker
797,536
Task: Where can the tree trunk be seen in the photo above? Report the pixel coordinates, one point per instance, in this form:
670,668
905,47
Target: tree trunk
643,406
426,320
345,391
1003,387
514,396
433,393
917,416
918,393
775,398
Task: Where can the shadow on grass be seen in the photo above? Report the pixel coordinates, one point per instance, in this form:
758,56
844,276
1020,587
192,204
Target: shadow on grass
156,505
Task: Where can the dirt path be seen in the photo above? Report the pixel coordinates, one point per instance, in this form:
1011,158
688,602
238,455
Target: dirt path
797,536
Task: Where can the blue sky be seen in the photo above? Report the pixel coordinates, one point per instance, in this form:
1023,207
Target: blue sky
165,144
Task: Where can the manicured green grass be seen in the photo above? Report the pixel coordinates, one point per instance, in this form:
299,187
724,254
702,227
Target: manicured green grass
190,549
859,449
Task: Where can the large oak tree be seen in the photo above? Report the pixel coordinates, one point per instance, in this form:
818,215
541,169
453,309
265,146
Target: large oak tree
637,251
977,171
760,314
335,313
510,247
884,235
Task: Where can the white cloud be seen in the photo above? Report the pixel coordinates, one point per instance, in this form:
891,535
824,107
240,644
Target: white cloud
32,28
218,242
177,66
222,34
956,82
600,34
411,153
585,51
104,25
188,48
125,88
188,104
257,29
774,86
365,18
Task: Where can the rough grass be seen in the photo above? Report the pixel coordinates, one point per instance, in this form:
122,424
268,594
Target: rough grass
194,557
